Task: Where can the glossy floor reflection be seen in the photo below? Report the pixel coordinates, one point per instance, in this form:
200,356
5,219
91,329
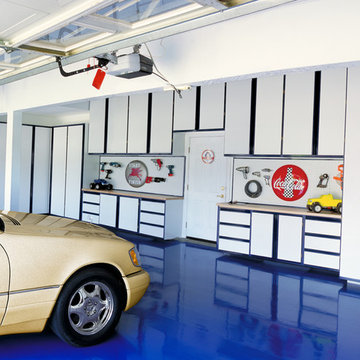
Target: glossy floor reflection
203,304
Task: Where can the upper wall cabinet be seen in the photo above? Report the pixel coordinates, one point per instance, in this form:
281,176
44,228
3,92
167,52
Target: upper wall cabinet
212,107
161,123
332,112
138,124
237,120
268,121
97,126
185,110
117,125
299,113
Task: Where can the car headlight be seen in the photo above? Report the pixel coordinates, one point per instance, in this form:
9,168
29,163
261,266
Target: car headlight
135,257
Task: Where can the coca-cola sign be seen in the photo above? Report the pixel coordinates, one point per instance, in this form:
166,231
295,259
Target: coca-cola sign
289,183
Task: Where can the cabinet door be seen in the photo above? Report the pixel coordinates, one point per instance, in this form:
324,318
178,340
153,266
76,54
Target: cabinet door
268,122
237,120
58,171
138,124
290,234
97,126
212,107
184,110
25,171
74,171
161,122
108,205
128,213
2,163
117,125
332,112
42,164
299,113
261,243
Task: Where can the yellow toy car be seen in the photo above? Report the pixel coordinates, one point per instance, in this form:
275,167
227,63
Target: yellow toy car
324,202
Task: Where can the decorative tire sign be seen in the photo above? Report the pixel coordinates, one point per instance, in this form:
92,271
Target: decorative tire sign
136,173
207,156
290,183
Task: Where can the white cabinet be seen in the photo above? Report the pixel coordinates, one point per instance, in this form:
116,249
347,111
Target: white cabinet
108,208
138,124
261,243
91,208
212,107
299,113
332,111
128,213
184,110
73,171
2,162
117,125
41,170
97,126
269,109
161,123
290,238
237,118
66,171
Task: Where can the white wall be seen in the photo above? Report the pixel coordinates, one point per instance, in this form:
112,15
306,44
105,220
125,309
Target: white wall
304,33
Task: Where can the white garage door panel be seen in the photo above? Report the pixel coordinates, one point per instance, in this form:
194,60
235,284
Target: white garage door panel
59,171
42,163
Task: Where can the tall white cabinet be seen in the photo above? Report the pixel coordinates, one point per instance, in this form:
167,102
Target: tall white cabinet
2,162
67,171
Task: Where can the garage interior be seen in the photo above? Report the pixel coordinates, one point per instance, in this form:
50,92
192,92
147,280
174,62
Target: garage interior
205,161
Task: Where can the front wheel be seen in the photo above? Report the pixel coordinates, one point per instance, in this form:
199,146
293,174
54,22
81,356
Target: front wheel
88,308
317,207
339,208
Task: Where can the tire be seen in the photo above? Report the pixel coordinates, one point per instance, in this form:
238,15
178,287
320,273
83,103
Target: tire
339,208
92,186
97,186
88,308
316,207
109,187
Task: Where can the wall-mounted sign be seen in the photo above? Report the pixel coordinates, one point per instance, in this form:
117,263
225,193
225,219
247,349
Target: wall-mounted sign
207,156
290,183
136,173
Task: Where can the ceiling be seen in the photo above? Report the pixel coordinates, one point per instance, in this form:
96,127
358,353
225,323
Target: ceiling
33,33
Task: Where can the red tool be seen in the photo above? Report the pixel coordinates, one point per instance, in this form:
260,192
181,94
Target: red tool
158,163
340,175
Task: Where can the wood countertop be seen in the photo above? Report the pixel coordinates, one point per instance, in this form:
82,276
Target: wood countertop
134,194
280,210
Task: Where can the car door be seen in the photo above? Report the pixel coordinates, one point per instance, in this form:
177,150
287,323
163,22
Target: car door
4,282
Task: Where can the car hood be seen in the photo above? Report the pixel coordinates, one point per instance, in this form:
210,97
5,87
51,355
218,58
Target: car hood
49,225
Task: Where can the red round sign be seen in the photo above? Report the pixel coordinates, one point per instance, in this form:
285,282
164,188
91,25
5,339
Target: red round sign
290,183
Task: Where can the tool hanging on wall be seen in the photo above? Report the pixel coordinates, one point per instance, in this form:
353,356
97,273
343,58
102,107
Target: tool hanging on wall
249,189
256,173
267,179
244,169
108,172
158,163
266,170
150,179
102,165
323,181
171,170
115,164
340,176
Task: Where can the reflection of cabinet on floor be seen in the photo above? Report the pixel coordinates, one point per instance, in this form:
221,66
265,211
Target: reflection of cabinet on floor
291,236
158,217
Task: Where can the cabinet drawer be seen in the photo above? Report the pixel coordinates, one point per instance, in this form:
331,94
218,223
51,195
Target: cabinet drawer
234,246
322,244
237,232
90,218
158,207
93,198
95,209
234,217
152,230
322,227
155,219
323,260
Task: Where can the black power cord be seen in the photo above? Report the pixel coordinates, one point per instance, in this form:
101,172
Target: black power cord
250,193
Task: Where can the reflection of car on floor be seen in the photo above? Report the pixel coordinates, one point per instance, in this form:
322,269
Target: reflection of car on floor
75,276
324,202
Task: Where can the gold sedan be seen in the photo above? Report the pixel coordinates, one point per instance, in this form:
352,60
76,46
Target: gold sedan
74,276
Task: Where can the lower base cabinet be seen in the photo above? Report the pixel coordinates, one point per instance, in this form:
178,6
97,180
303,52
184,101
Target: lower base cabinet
300,239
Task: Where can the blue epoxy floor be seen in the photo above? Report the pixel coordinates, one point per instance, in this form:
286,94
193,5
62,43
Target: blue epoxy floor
203,304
